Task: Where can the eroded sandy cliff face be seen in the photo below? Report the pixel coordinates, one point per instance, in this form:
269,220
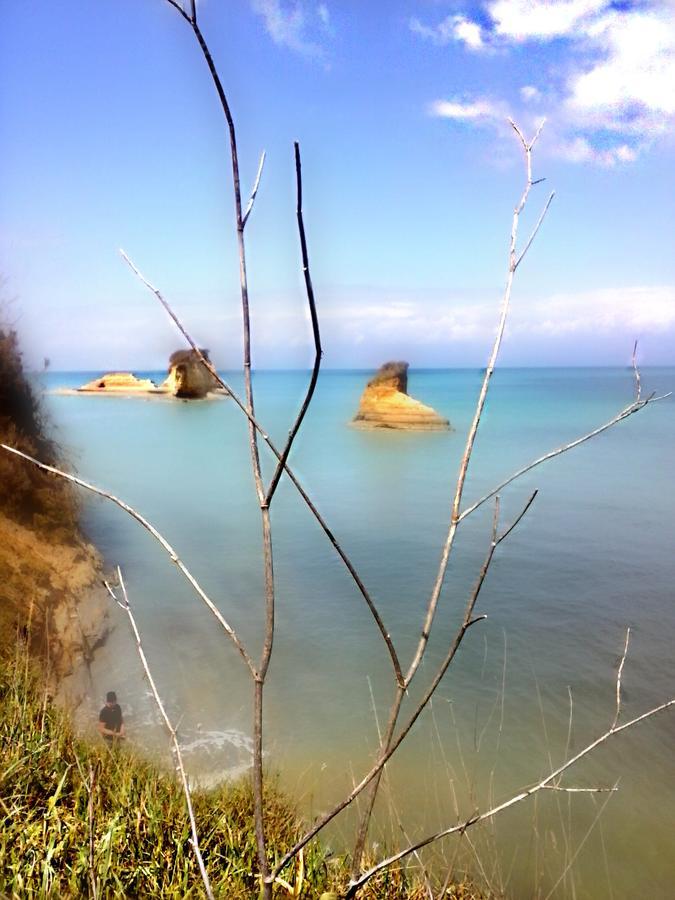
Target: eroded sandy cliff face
385,403
50,591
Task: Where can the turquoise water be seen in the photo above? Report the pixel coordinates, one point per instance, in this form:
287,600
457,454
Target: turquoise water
593,556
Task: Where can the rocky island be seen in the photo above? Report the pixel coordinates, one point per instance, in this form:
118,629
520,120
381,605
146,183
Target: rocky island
385,403
187,379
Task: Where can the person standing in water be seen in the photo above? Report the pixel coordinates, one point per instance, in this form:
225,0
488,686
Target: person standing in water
110,721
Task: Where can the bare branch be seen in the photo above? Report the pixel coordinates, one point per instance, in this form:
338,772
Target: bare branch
517,798
315,331
437,588
537,133
618,679
636,372
180,9
580,790
386,637
169,727
515,524
390,744
536,227
624,414
254,192
182,568
473,430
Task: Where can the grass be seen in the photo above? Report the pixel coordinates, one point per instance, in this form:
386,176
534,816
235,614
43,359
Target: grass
79,819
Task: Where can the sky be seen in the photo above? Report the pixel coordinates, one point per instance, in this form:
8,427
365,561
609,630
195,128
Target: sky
111,136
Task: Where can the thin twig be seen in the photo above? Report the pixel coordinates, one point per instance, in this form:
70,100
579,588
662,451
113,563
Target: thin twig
580,846
125,605
256,185
536,227
268,564
624,414
517,798
182,568
580,790
315,331
480,405
180,9
437,588
618,679
390,743
636,373
386,637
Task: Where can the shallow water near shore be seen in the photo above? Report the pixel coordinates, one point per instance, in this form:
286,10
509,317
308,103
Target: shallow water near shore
593,555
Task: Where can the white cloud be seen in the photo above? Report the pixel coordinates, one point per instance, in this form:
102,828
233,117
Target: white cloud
480,111
632,88
520,20
530,94
632,310
610,86
457,28
289,25
622,313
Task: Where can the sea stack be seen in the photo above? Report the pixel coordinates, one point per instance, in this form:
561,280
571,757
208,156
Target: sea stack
385,403
188,378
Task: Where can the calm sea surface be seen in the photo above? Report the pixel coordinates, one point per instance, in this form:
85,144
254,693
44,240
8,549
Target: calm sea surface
594,555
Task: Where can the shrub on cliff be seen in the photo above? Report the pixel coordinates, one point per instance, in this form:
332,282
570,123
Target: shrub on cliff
28,495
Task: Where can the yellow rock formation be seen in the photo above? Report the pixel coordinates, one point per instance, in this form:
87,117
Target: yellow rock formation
385,403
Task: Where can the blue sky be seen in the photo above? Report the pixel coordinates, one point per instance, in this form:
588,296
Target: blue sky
111,136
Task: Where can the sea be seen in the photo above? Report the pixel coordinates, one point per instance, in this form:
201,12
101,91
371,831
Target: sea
532,684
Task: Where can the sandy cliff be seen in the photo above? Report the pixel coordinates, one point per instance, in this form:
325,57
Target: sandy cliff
50,594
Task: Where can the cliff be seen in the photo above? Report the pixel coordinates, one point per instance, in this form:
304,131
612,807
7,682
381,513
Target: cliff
49,575
385,403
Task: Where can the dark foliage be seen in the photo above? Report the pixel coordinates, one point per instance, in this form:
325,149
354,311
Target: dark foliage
27,495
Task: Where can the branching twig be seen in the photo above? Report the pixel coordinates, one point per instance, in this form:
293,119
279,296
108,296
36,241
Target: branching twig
315,331
517,798
580,790
480,405
157,536
268,564
390,744
636,373
624,414
386,637
254,192
618,679
124,604
437,588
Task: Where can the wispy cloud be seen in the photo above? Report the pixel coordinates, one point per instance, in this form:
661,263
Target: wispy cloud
610,92
482,110
452,28
621,313
298,26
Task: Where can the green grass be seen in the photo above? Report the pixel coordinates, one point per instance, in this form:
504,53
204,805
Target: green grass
128,836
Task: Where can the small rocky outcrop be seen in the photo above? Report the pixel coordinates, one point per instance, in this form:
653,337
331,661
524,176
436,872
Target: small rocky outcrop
188,378
119,382
385,403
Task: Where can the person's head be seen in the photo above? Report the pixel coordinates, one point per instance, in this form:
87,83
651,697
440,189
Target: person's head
111,698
